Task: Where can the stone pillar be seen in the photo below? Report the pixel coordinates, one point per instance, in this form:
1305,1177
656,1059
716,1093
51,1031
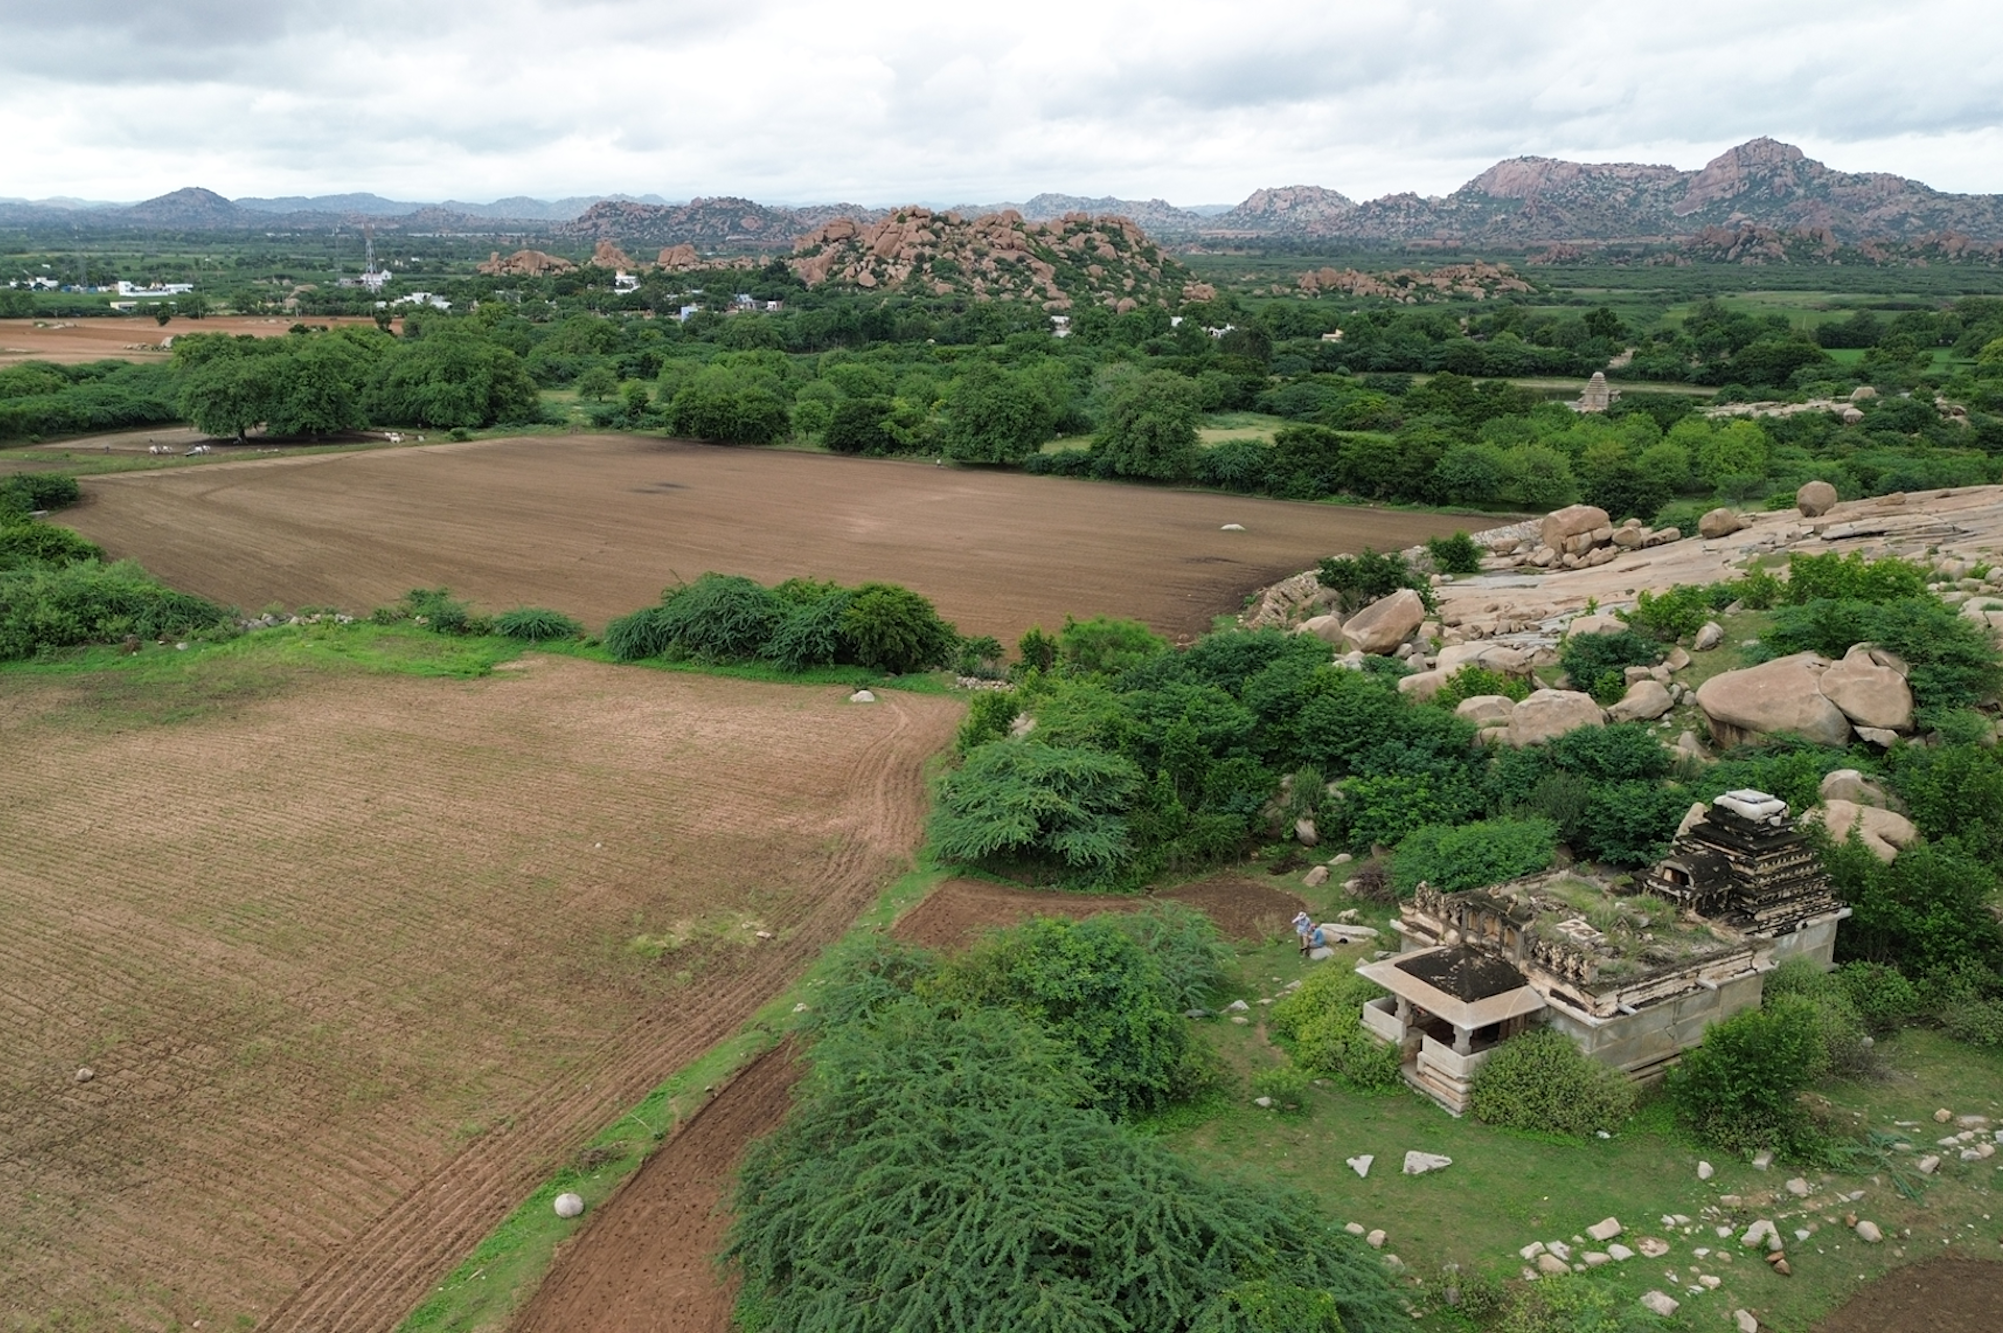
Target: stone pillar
1404,1012
1463,1041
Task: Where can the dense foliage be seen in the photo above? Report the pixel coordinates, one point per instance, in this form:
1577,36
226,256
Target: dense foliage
1739,1089
1541,1080
946,1166
1320,1024
796,625
1452,857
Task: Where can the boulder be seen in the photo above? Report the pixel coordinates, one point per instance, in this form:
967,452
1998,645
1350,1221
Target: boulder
1691,819
1878,736
1304,832
1709,635
1595,624
1419,1163
1605,1230
1815,499
1885,832
1871,693
1326,628
1384,624
569,1205
1496,657
1548,714
1660,1304
1571,521
1869,1233
1848,784
1781,695
1644,701
1719,522
1422,685
862,697
1486,709
1315,878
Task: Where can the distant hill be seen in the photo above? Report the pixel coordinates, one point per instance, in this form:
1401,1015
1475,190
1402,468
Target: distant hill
1157,216
1059,263
1295,210
707,224
1762,183
191,209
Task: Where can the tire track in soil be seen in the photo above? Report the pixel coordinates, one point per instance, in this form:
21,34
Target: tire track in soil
374,1279
644,1264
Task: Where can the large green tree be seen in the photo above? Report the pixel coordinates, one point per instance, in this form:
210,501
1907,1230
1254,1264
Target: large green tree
993,416
1150,428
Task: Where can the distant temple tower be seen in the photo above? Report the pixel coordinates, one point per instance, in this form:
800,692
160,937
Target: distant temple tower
1597,397
1745,863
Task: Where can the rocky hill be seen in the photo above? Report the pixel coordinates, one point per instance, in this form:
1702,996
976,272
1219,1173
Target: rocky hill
1073,260
1763,183
707,224
189,209
1294,210
1157,217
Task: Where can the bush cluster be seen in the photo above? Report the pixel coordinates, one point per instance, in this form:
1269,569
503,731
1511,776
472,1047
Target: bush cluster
1541,1080
45,606
795,626
1740,1090
1452,857
1320,1024
1597,663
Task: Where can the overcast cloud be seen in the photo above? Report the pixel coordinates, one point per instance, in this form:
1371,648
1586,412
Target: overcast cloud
889,101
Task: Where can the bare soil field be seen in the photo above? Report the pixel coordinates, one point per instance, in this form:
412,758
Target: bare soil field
1939,1296
70,341
350,958
646,1264
598,525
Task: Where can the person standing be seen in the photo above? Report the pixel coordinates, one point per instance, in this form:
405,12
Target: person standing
1303,924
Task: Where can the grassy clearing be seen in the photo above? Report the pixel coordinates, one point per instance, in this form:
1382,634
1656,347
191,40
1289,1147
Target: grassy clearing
1507,1188
505,1269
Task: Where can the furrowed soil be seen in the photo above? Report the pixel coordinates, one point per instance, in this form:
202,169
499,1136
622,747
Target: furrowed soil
646,1264
351,957
71,341
598,525
1939,1296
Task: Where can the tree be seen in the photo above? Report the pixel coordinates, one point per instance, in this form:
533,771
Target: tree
1150,428
597,384
452,377
1017,801
993,416
228,394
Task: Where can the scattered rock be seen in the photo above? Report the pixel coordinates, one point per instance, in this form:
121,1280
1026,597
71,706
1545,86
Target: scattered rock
1385,623
569,1205
1552,1264
1815,499
862,697
1677,658
1605,1229
1869,1233
1360,1165
1237,1007
1595,1259
1595,624
1660,1304
1719,522
1620,1254
1315,877
1232,527
1942,1116
1762,1160
1928,1165
1709,635
1375,1240
1798,1187
1704,1169
1263,1103
1353,1228
1341,859
1781,695
1650,1247
1326,628
1745,1322
1305,834
1419,1163
85,1074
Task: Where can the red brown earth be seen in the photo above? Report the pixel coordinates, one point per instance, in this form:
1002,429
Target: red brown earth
1939,1296
349,955
70,342
597,525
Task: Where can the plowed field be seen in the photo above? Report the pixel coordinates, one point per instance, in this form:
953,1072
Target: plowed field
350,959
598,525
69,341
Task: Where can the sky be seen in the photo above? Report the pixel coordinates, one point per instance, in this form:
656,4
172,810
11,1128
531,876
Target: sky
944,103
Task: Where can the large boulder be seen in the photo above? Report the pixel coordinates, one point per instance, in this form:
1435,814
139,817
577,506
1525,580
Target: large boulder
1548,714
1885,832
1644,701
1486,710
1709,635
1422,685
1815,499
1571,521
1781,695
1497,657
1719,523
1849,784
1326,628
1871,691
1384,624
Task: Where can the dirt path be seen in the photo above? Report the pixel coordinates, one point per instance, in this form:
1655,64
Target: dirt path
1939,1296
598,525
958,911
646,1264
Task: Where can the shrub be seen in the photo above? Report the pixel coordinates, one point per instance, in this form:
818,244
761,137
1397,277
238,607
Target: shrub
29,491
442,612
1812,578
1090,984
1541,1080
1738,1090
43,544
536,624
809,633
1573,1303
888,628
1468,856
1597,663
1026,802
1104,645
1881,995
1458,554
1622,752
1678,613
720,618
1358,580
66,606
1926,911
988,718
1321,1023
1286,1085
1846,1046
1471,681
1184,943
1372,883
981,657
643,633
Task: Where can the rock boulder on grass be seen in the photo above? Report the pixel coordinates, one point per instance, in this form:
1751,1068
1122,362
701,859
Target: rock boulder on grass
1869,689
1571,521
1548,714
1384,624
1776,696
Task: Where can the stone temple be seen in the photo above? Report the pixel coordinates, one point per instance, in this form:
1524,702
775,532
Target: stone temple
1634,978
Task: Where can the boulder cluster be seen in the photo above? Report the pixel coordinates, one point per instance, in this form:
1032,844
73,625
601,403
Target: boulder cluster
1576,537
